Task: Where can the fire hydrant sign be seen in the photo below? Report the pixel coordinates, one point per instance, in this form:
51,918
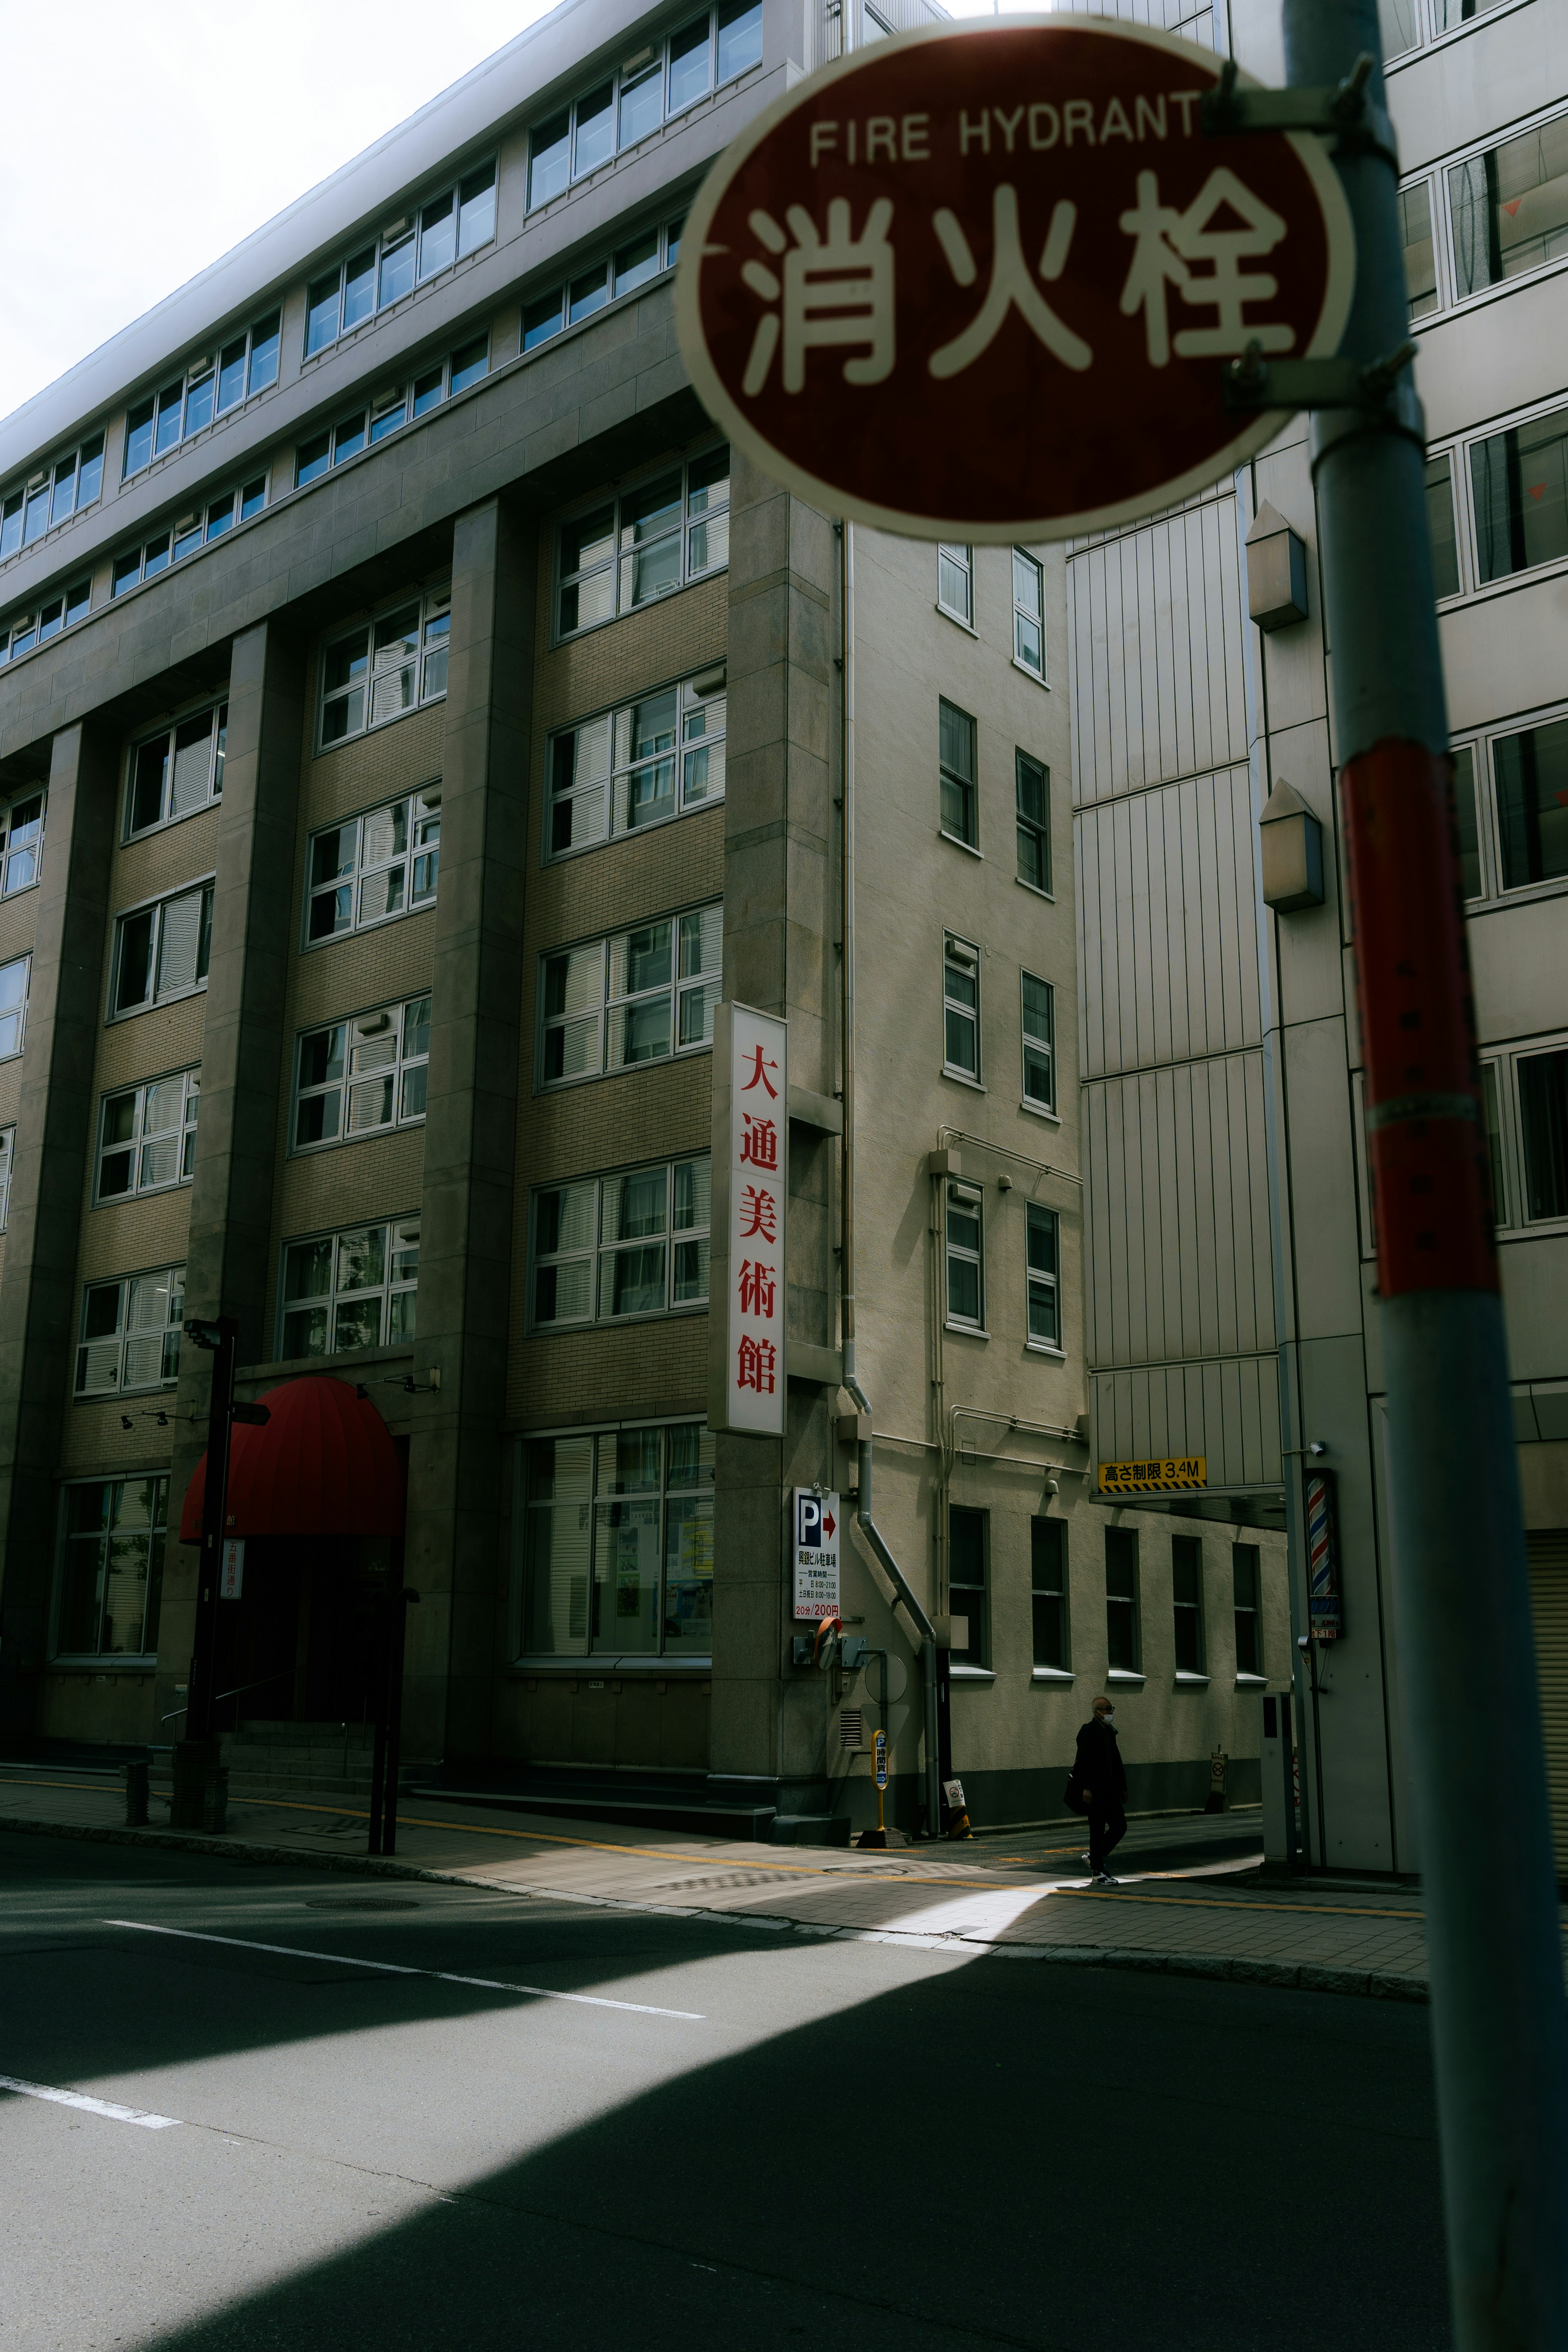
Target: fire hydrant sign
816,1554
751,1170
984,281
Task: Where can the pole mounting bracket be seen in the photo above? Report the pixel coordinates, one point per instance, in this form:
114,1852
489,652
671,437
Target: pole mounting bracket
1380,387
1341,111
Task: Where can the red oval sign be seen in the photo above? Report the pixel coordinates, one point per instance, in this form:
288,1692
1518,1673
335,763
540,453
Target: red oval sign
984,281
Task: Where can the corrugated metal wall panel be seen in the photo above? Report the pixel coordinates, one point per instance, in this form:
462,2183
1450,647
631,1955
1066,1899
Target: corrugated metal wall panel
1224,1410
1547,1552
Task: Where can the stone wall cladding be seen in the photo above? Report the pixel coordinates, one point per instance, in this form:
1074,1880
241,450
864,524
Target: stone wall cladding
612,1373
19,917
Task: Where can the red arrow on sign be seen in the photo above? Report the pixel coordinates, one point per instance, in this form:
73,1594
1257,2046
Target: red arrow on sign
829,1523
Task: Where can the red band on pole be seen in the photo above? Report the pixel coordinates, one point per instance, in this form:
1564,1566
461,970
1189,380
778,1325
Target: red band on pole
1427,1140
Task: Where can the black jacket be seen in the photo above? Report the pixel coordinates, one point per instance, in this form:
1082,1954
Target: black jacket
1098,1768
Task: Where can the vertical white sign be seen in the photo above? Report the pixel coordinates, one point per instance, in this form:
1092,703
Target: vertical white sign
231,1569
756,1168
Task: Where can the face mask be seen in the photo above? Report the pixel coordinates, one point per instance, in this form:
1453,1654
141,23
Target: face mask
1109,1719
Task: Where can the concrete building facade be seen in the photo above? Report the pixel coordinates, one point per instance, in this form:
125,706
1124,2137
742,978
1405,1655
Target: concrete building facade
412,725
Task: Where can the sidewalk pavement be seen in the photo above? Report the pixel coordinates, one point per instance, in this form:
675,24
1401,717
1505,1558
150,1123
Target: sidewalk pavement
1019,1894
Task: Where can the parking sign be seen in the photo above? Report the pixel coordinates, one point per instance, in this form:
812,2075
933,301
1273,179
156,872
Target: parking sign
816,1554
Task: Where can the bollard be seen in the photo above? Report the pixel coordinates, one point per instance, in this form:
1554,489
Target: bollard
136,1794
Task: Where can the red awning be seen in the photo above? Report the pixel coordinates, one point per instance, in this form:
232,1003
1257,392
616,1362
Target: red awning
324,1465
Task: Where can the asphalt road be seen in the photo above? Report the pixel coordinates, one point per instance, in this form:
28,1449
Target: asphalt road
738,2138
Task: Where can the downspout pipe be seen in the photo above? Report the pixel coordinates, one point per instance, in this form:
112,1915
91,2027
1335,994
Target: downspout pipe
881,1548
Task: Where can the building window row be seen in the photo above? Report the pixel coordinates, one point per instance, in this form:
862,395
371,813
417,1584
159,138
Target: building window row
637,997
958,795
970,1583
617,1544
955,597
416,247
362,1077
371,869
628,769
1495,216
131,1333
1499,505
964,1251
22,631
147,1136
192,531
662,79
390,410
161,950
1406,24
636,263
1510,805
51,497
209,388
960,1023
386,668
609,1248
21,843
655,536
356,1288
176,771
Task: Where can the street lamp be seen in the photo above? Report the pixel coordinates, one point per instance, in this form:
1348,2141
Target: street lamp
200,1797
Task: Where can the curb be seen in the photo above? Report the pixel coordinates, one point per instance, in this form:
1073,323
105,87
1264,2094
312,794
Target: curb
1302,1975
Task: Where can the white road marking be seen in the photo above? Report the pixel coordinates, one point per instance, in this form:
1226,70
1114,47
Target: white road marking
396,1968
94,2106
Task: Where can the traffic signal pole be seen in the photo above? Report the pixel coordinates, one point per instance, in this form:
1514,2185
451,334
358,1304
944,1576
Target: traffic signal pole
1472,1715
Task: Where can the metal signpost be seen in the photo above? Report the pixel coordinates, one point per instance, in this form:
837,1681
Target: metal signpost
1026,279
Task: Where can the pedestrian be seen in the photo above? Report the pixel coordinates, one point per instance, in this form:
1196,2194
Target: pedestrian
1102,1777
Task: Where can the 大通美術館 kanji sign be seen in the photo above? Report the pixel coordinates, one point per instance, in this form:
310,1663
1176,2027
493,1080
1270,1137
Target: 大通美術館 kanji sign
751,1173
984,281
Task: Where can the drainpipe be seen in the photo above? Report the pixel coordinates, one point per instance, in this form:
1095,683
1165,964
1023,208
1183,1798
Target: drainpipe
868,1524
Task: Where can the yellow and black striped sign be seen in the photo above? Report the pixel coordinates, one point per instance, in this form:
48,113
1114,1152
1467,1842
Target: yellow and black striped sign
1172,1475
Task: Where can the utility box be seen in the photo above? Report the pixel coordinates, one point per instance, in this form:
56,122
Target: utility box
1279,1759
1292,844
1276,571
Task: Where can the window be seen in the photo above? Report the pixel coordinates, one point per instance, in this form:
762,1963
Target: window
211,385
131,1333
375,867
353,1289
195,529
1543,1131
1048,1590
1491,1112
1440,523
386,667
960,1007
965,1254
21,843
1397,26
637,997
361,1076
1121,1599
555,308
956,582
48,497
955,753
619,1543
1420,254
8,1160
610,1247
1520,480
650,541
1032,785
1043,1241
1471,878
1531,770
147,1136
19,637
1249,1616
1029,613
362,428
704,54
633,767
13,982
177,771
1509,208
111,1576
1039,1043
161,950
1188,1601
968,1541
416,245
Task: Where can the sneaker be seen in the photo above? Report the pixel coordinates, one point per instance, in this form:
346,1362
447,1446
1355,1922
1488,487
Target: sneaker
1103,1878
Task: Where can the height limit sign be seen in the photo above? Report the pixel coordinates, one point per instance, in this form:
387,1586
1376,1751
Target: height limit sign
816,1532
986,281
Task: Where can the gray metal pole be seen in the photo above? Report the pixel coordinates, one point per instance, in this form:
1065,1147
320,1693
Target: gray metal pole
1499,2029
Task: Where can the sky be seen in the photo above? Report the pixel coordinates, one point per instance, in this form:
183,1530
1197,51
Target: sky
180,127
172,132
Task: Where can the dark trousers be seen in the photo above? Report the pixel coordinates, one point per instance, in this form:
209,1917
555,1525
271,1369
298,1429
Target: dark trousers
1107,1828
